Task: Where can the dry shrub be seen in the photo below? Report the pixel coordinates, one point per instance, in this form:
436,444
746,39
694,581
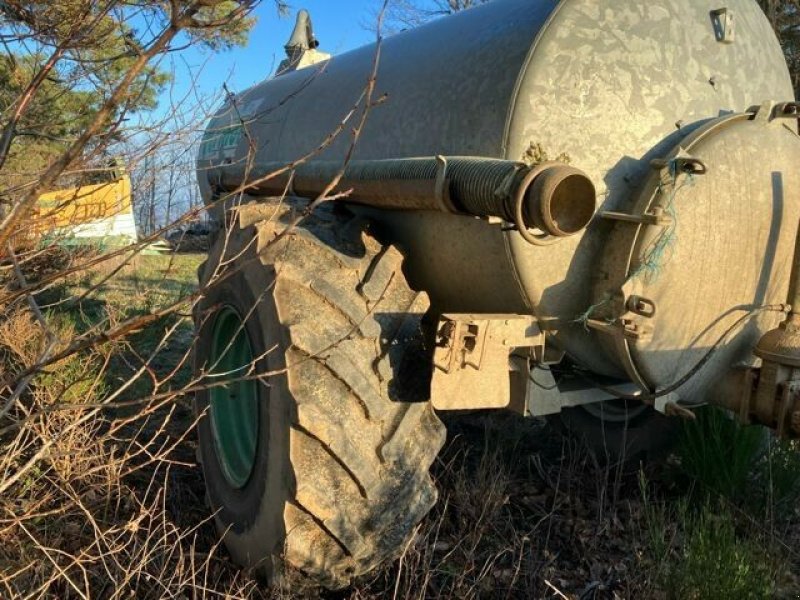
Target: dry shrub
43,262
98,500
20,340
469,546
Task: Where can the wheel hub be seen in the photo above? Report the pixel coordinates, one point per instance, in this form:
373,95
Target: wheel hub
233,397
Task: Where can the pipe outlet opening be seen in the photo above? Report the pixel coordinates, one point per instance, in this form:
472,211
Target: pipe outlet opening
561,201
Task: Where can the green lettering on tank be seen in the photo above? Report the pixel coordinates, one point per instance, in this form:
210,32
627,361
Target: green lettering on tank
216,140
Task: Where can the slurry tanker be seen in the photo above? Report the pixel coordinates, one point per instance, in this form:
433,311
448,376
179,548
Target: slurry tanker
585,210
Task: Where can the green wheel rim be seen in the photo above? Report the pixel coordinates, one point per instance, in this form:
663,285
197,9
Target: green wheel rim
234,404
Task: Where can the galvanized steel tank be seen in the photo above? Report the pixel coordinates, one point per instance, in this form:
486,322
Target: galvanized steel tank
610,84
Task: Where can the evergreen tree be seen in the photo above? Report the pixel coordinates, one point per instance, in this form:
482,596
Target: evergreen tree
785,18
72,71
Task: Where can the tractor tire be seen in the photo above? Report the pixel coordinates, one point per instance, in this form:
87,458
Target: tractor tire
322,465
618,435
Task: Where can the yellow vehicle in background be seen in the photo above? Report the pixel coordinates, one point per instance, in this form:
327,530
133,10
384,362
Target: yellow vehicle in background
98,208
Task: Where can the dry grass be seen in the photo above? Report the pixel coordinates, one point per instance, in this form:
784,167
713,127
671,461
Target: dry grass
100,499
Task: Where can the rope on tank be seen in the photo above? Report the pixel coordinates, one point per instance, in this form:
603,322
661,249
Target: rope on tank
659,249
583,319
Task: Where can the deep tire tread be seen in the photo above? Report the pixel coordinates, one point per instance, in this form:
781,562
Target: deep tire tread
360,457
335,457
325,364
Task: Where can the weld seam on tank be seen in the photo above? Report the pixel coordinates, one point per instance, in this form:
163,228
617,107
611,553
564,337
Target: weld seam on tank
482,187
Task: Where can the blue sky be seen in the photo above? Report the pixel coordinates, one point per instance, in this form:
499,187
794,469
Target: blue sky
198,76
340,25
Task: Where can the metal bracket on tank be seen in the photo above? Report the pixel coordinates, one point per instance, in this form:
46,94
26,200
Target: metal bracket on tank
472,357
639,305
724,21
770,111
629,329
787,110
683,163
627,313
655,217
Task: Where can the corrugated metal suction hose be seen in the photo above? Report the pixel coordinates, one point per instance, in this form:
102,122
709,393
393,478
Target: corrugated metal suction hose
557,199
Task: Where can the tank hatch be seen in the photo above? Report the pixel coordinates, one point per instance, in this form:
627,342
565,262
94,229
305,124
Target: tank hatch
697,271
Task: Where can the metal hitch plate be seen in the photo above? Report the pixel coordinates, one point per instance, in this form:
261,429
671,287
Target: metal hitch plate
471,361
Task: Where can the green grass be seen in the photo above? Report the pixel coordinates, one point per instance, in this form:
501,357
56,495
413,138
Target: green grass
719,454
98,299
143,284
717,529
778,479
716,562
708,551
